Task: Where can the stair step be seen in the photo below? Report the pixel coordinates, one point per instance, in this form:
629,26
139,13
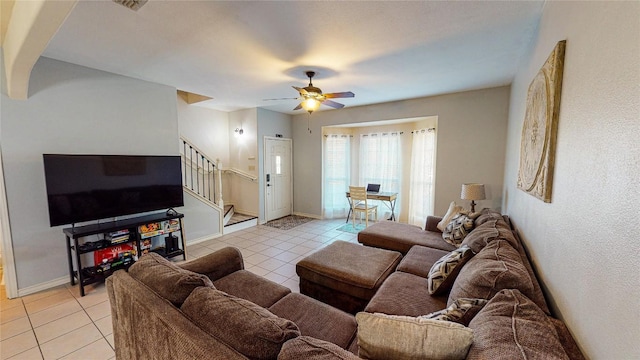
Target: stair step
238,218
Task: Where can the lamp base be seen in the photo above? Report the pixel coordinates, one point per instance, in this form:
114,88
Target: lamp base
473,206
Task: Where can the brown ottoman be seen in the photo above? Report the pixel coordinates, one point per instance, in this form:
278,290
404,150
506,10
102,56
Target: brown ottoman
346,275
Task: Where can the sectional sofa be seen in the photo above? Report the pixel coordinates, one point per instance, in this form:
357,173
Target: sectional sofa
489,306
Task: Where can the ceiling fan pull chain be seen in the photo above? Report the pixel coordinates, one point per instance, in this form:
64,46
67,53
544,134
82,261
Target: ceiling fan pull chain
309,123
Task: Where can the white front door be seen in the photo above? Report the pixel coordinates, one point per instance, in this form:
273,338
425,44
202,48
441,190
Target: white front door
278,178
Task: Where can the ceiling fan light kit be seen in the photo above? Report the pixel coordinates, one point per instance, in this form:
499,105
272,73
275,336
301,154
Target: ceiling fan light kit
312,96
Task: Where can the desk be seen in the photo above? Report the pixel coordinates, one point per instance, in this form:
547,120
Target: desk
386,197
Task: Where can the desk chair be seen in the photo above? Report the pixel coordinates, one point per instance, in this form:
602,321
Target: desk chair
359,204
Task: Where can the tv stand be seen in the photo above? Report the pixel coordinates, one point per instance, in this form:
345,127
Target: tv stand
119,243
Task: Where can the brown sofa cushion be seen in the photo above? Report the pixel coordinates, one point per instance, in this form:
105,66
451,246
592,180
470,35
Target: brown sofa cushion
405,294
383,336
249,286
511,326
317,319
419,260
444,271
167,279
400,237
252,330
498,266
305,347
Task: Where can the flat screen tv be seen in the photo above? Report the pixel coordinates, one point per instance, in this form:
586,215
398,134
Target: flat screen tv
91,187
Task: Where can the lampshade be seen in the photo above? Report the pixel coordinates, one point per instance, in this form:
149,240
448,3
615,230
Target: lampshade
310,105
472,192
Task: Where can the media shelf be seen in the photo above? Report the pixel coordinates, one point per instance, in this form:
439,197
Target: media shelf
121,242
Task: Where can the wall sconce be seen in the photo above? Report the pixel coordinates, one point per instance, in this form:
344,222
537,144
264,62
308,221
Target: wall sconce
239,131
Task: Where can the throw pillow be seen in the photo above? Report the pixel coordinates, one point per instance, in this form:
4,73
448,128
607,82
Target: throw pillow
461,311
250,329
453,209
166,278
459,226
511,326
444,271
306,347
382,336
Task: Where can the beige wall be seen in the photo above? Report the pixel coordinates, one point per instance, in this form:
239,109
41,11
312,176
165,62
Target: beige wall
243,156
472,129
585,243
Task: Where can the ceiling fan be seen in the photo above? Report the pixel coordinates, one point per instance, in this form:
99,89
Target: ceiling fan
311,97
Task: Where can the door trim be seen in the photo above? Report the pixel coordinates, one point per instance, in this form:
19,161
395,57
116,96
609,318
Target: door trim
264,172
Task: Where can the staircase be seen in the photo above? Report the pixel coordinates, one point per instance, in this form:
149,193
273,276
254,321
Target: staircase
202,178
234,221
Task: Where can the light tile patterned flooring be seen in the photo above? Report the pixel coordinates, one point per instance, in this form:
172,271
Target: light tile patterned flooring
59,324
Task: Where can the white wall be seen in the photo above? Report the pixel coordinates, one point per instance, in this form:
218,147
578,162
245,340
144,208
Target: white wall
205,128
243,156
208,130
72,109
472,129
585,243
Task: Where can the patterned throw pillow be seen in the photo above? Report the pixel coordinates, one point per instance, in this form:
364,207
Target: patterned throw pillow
459,226
461,311
444,271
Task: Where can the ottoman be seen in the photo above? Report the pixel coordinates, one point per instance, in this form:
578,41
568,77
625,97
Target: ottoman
346,275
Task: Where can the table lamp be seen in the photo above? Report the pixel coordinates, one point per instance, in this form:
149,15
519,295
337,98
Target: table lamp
472,192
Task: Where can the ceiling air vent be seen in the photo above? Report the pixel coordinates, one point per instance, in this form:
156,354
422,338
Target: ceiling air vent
131,4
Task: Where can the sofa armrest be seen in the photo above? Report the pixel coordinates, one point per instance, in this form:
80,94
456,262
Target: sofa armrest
217,264
432,223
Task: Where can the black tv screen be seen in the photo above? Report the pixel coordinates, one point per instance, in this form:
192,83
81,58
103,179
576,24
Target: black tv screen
91,187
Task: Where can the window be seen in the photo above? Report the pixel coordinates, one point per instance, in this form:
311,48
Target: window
381,163
336,172
421,188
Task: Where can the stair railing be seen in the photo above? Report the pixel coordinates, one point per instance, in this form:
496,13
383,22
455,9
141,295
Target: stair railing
199,173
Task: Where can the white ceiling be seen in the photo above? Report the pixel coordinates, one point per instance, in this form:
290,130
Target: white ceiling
241,52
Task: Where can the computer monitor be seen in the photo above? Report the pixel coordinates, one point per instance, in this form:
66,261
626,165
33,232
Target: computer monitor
373,188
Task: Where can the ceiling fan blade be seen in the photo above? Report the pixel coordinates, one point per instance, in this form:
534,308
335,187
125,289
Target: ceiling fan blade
346,94
279,99
298,107
333,104
300,90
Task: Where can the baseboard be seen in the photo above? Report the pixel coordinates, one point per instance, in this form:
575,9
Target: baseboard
43,286
245,212
313,216
203,239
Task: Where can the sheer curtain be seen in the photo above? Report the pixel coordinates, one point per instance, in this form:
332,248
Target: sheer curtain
336,171
381,163
421,188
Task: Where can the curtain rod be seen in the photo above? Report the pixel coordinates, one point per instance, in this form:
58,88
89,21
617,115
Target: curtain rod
423,130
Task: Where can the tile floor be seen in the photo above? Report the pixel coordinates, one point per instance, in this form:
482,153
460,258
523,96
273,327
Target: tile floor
59,324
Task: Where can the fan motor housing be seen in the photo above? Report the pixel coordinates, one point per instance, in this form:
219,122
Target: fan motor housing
313,89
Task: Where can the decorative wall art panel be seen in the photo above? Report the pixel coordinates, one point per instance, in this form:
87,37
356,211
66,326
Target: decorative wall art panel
538,144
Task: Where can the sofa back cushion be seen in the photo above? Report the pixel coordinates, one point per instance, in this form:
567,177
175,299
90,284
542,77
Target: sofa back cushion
511,326
306,347
497,266
167,279
250,329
